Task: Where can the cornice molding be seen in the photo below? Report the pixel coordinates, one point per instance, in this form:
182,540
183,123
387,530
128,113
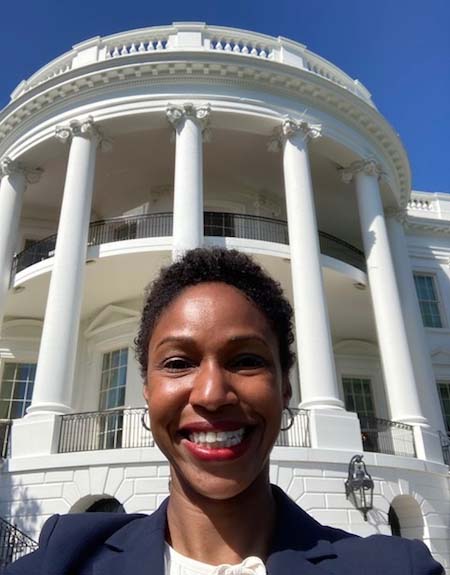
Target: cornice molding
428,225
9,167
269,76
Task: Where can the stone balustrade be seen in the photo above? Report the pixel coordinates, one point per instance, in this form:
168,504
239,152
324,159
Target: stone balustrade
193,37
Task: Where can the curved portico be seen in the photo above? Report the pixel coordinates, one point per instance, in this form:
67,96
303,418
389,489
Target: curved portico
292,186
215,137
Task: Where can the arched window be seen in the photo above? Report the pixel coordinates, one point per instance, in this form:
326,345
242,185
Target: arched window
108,505
405,517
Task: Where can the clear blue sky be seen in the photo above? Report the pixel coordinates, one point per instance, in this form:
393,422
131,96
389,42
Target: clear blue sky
400,50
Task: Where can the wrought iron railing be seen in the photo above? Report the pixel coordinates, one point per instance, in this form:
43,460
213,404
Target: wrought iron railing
298,435
120,428
112,429
445,445
219,224
385,436
5,433
13,544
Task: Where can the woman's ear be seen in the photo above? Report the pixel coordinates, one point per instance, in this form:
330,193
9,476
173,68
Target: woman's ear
287,391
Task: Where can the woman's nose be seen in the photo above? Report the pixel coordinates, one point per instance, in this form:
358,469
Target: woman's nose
212,387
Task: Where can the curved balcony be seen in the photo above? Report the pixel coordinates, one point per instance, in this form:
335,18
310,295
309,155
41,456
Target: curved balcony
216,224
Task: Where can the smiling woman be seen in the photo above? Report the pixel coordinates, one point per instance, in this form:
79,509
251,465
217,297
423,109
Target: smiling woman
214,350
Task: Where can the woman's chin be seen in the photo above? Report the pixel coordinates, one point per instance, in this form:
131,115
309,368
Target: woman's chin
219,487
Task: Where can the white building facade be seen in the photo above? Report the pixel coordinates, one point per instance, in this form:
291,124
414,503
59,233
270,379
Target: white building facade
130,149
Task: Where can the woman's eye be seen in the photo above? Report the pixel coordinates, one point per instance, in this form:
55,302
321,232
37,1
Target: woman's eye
248,361
177,364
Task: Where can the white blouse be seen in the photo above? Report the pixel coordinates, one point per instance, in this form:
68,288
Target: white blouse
176,564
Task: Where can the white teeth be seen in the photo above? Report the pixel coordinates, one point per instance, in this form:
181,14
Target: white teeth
219,438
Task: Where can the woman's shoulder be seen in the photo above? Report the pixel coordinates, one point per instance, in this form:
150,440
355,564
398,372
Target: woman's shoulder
67,538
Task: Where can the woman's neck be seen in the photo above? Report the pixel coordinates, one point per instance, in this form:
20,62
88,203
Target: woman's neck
221,531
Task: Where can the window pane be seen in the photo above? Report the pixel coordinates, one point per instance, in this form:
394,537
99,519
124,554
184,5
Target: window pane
19,390
6,390
4,409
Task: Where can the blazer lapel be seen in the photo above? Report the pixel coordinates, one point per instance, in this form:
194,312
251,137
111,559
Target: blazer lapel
300,543
137,548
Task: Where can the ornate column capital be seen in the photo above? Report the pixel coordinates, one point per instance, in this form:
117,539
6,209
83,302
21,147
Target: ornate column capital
200,114
289,128
398,214
86,128
8,167
369,166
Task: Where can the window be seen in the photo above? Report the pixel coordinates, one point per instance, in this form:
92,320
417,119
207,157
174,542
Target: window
428,300
444,395
112,396
16,389
358,395
358,398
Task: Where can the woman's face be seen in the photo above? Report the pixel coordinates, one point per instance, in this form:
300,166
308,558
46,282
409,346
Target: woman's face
215,389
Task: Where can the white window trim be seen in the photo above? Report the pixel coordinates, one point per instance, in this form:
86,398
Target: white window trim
434,274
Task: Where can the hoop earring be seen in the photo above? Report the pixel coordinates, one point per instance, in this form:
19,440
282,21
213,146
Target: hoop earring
291,419
143,422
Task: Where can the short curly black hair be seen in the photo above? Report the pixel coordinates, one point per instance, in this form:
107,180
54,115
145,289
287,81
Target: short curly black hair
231,267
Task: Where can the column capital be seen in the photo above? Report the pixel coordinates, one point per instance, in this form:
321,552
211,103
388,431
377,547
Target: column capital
8,167
289,128
177,113
86,128
398,214
368,166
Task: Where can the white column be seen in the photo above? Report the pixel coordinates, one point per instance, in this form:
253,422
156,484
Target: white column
393,342
418,345
55,370
189,122
12,188
314,346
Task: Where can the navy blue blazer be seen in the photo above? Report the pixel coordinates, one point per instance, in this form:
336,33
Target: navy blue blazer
120,544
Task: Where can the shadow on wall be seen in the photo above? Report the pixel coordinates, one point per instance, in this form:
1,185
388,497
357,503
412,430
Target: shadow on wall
18,506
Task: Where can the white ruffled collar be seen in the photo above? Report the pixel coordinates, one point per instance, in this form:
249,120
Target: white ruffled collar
177,564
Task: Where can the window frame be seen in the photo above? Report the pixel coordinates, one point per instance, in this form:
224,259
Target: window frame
437,293
445,382
26,403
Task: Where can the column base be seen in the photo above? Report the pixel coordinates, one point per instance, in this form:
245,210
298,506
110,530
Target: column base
428,445
38,435
47,408
335,429
323,403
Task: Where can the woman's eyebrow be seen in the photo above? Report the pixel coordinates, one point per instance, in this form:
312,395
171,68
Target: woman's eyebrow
179,339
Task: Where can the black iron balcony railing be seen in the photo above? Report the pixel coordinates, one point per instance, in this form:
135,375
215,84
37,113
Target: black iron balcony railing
5,433
112,429
219,224
384,436
122,427
13,544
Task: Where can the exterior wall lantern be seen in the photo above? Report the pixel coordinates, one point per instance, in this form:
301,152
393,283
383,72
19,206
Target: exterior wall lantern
359,485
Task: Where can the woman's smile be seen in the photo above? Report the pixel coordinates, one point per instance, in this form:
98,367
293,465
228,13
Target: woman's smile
215,389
